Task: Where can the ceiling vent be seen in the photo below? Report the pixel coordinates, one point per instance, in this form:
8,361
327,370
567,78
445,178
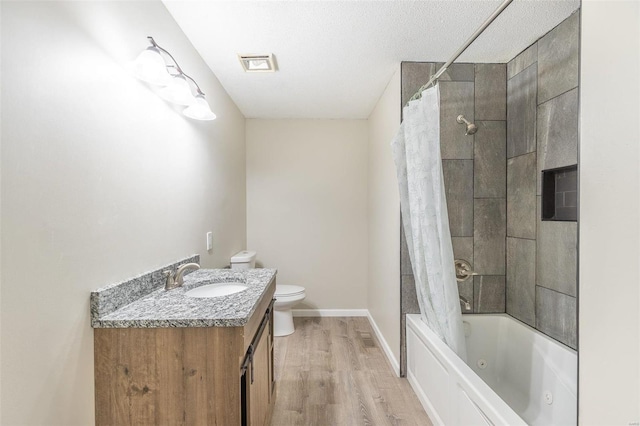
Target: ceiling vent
258,63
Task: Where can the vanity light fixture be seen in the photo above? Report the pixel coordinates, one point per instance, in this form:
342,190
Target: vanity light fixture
151,66
258,63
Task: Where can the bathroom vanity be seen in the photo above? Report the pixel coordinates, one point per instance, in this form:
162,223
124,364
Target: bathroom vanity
167,358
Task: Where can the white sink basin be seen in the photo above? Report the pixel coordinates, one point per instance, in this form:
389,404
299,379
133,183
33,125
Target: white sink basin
217,289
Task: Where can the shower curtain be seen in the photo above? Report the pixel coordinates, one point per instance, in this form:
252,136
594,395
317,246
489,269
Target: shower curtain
416,151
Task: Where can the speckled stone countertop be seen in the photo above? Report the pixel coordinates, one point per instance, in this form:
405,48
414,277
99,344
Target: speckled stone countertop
174,308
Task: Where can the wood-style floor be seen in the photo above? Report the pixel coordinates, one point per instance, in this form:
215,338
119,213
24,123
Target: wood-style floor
332,371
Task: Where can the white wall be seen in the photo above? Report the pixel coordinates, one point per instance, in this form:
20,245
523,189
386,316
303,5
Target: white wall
384,218
307,206
609,319
101,180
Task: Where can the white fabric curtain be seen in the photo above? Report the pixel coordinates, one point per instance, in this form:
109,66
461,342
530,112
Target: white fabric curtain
416,151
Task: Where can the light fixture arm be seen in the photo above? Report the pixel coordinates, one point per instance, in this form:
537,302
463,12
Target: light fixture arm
200,92
176,66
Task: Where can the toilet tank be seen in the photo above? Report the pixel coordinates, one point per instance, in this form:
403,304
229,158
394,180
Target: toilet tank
245,259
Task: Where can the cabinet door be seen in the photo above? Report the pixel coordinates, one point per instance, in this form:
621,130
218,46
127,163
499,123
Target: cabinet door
260,388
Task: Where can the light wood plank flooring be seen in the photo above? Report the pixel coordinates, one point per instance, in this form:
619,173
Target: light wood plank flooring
332,371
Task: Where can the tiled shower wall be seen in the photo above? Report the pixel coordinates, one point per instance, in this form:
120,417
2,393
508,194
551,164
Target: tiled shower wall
527,114
474,169
542,133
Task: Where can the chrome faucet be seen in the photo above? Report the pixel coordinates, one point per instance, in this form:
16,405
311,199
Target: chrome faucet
465,303
177,280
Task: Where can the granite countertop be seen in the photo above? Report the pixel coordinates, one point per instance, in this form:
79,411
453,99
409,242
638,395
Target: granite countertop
174,308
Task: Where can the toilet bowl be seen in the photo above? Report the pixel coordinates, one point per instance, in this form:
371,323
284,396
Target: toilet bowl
286,297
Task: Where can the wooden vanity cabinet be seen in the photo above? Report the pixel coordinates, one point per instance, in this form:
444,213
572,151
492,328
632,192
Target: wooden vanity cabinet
187,376
257,376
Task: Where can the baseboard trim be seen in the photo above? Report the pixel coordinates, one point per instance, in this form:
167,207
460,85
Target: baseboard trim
330,312
395,365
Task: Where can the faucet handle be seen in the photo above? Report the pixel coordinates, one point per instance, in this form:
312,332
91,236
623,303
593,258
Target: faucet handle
176,279
170,282
463,270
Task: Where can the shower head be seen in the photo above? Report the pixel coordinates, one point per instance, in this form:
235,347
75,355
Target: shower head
471,128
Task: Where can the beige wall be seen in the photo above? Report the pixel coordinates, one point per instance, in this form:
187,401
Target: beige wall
101,180
307,206
609,292
0,223
383,291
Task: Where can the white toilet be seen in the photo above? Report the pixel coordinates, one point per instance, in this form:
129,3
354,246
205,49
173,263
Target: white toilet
286,295
245,259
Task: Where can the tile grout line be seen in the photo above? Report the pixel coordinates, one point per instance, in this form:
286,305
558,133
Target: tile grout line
526,153
557,96
556,291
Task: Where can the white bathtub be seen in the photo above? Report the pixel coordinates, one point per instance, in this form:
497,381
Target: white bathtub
515,375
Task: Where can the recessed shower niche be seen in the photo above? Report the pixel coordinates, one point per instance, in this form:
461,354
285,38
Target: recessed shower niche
560,194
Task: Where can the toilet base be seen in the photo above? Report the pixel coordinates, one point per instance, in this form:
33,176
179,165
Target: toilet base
282,322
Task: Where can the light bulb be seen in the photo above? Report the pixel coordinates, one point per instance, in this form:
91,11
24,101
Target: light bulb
178,91
258,64
199,110
150,67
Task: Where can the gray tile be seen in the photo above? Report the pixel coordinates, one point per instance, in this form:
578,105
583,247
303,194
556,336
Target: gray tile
489,294
457,72
458,182
524,59
557,133
465,289
521,196
490,152
463,248
521,112
491,92
566,213
414,75
570,199
559,199
567,180
405,260
556,316
409,300
558,59
455,98
557,255
521,279
489,236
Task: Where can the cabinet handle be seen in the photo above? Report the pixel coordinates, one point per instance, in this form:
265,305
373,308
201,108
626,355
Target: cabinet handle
252,368
270,307
248,359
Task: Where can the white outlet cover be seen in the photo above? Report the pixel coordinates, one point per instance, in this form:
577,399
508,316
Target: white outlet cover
209,240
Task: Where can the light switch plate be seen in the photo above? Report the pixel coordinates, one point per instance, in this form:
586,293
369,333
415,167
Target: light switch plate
209,240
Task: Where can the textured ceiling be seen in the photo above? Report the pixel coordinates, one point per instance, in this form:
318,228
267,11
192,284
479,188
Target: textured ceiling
336,57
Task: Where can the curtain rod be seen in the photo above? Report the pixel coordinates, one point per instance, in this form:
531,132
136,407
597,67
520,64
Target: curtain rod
459,52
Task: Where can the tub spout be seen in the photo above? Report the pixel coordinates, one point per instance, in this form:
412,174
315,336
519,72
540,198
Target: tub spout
464,302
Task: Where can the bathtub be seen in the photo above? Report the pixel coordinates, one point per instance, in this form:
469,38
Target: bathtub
514,374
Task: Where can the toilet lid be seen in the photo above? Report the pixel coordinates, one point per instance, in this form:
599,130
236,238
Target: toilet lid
288,290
